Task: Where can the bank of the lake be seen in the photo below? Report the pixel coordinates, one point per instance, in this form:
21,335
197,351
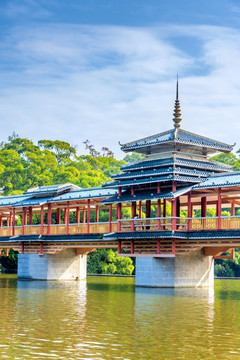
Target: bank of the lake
108,318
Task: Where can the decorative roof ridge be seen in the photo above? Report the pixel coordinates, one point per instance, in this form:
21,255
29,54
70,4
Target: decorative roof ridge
146,138
205,137
232,173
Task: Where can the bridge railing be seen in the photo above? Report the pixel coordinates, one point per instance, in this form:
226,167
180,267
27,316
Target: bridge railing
123,225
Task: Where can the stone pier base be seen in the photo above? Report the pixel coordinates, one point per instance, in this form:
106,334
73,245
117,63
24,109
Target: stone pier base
193,270
65,265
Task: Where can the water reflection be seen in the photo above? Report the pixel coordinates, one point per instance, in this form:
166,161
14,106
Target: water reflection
108,318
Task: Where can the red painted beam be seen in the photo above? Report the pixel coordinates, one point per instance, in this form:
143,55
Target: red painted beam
88,216
68,211
13,222
58,216
77,215
219,208
119,215
110,218
23,219
49,219
42,219
30,212
158,246
97,213
140,209
233,208
159,214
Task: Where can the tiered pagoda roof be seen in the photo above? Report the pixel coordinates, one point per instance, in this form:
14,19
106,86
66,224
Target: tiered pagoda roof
175,155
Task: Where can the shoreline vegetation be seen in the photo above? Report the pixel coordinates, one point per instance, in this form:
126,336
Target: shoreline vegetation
24,165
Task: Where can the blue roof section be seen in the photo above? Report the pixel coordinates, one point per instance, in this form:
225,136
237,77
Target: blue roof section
42,191
83,194
155,172
6,201
31,202
146,195
181,137
161,162
220,180
151,180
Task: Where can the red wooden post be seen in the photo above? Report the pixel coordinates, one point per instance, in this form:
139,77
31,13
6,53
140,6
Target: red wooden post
189,211
77,215
132,246
42,219
7,251
68,210
65,217
173,246
22,247
49,219
97,213
13,222
159,214
58,216
140,209
158,188
30,215
0,221
158,246
233,208
233,254
219,209
119,191
204,210
88,216
110,218
119,247
119,215
23,220
148,208
8,221
174,208
41,249
133,208
132,190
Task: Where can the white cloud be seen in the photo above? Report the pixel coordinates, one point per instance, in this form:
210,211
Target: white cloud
109,83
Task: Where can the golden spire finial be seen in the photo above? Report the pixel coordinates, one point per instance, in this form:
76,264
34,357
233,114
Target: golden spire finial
177,111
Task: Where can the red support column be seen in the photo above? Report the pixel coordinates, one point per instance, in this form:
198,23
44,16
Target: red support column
77,215
88,216
0,221
132,190
173,246
42,219
140,209
119,191
41,249
233,254
204,210
174,208
110,218
132,246
119,215
8,221
119,247
23,219
97,213
159,214
65,216
233,208
133,208
7,251
164,211
30,215
13,222
219,209
49,219
68,210
22,247
148,208
58,216
189,211
158,246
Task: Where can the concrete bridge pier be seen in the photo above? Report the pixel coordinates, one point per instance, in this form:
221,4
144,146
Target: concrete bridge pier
65,265
191,270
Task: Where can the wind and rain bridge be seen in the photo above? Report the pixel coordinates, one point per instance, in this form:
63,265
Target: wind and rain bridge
171,193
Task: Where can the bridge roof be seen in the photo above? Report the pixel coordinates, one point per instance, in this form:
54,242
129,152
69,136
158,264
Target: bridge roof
220,180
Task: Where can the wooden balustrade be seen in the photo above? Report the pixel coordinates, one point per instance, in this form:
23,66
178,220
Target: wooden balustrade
151,224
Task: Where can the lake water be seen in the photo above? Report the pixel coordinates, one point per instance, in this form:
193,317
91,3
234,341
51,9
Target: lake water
108,318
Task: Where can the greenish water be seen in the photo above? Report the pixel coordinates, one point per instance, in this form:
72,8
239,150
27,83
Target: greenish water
107,318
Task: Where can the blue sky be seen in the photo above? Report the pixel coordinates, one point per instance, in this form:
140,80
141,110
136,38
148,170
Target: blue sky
105,70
